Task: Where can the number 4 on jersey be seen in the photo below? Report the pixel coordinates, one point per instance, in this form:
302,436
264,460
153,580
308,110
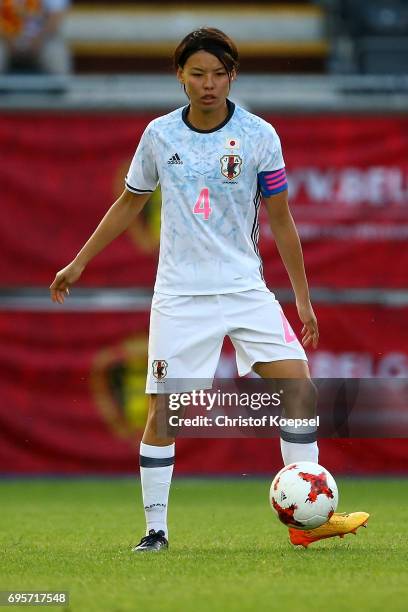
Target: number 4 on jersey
202,206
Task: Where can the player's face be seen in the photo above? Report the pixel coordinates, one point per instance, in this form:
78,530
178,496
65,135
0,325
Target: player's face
206,81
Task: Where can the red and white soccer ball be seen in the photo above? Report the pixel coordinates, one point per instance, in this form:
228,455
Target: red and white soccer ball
304,495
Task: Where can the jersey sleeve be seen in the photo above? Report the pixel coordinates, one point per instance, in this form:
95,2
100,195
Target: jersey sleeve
142,176
271,167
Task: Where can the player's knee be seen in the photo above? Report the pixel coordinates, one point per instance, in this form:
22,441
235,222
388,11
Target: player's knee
157,430
300,398
156,409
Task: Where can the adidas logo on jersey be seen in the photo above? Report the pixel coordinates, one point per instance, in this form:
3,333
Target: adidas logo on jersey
175,159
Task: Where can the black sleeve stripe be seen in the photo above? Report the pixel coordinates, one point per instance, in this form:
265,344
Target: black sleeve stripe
151,462
136,190
298,438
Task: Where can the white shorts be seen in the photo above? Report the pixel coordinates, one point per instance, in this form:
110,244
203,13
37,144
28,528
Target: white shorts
187,333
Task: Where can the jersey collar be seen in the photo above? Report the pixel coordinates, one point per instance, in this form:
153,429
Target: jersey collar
231,109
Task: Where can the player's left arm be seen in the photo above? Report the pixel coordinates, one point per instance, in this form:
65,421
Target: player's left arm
288,243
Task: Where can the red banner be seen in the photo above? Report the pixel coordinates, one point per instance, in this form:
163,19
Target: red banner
72,394
349,195
348,180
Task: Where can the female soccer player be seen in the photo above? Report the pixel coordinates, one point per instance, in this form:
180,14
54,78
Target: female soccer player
214,161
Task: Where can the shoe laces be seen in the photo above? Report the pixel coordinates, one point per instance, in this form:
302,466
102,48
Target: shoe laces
153,536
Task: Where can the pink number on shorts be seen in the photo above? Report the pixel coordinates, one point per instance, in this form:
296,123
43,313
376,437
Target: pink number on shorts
287,330
202,206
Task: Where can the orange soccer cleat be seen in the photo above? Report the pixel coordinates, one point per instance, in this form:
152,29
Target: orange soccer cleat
339,524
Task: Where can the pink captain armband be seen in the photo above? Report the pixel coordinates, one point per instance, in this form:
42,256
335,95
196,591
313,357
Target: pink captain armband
272,182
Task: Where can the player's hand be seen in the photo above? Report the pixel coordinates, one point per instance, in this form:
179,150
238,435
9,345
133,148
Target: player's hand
66,277
310,330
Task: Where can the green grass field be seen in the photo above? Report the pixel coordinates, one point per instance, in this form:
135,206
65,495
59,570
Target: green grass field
227,550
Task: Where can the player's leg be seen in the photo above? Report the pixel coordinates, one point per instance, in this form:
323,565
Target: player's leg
182,355
294,450
156,471
264,341
300,394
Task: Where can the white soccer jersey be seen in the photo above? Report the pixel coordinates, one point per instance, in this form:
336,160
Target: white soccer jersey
211,183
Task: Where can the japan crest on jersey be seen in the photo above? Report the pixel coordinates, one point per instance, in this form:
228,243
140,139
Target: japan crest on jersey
231,166
159,368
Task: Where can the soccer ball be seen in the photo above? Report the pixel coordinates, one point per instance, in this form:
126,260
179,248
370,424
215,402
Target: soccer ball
304,495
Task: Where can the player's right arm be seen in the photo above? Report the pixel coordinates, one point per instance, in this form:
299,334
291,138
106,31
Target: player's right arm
115,222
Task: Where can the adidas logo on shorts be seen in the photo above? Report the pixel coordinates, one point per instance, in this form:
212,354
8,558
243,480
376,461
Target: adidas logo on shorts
175,159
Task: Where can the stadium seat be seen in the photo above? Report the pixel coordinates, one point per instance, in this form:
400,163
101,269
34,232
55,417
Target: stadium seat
380,32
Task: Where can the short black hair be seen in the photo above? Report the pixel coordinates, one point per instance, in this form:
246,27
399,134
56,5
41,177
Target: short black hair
211,40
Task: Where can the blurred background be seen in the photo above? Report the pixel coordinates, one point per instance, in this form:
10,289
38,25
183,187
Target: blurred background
79,81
